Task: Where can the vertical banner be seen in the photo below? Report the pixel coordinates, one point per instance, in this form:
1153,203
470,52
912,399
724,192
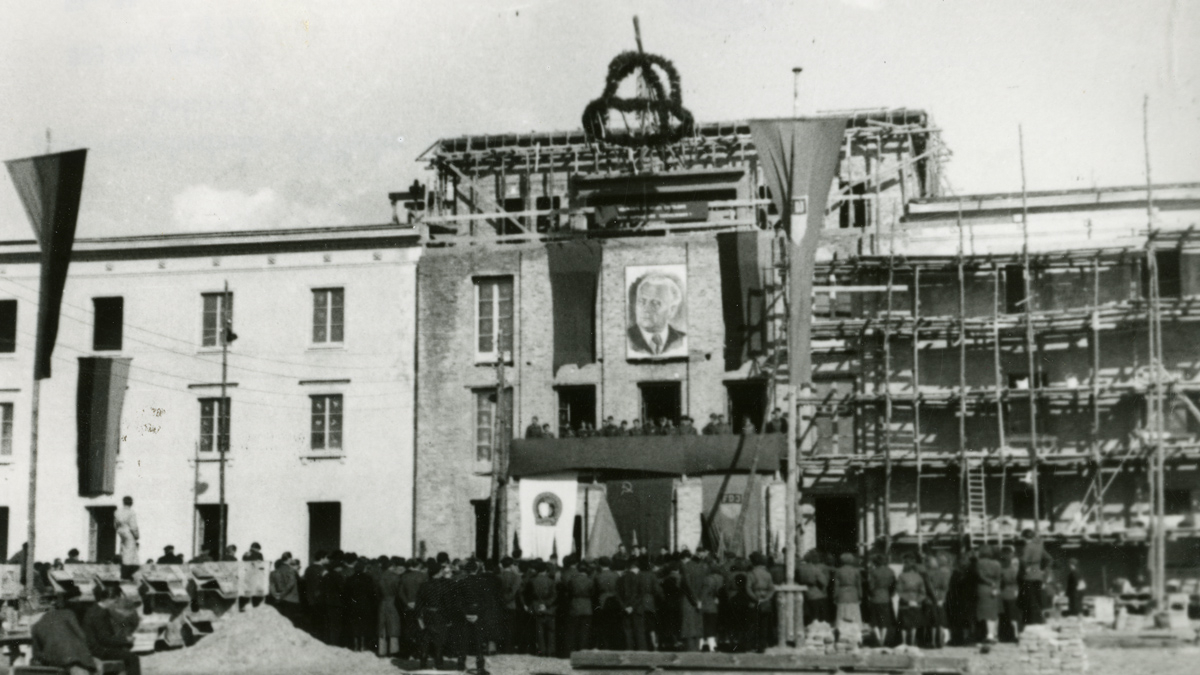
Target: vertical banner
547,506
741,257
98,401
800,159
50,187
574,277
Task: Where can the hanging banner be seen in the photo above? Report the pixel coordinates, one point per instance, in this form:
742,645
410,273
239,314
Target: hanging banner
800,159
574,277
50,187
98,401
547,506
742,256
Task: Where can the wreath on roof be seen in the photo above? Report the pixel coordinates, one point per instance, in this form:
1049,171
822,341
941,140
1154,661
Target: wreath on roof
663,105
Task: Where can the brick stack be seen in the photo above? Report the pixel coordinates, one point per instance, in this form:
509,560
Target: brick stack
818,638
1046,650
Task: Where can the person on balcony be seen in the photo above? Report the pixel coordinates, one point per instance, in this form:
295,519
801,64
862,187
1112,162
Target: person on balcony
534,430
686,427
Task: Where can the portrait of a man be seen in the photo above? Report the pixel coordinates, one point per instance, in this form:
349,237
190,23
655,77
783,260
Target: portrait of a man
657,311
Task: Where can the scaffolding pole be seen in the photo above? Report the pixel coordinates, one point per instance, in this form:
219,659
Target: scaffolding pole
962,378
916,380
887,404
1158,462
1003,441
1029,343
1098,475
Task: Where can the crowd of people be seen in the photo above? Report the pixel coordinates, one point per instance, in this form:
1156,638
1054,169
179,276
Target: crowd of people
937,598
440,608
663,426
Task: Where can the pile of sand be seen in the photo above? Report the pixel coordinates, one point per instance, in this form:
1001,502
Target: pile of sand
260,641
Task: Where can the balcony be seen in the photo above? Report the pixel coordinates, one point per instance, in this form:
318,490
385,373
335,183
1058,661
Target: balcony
671,455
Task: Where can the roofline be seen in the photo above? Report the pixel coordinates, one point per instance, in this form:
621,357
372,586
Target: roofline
1167,196
484,142
245,242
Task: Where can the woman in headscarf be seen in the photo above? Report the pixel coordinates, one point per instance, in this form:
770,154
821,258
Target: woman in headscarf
987,592
910,587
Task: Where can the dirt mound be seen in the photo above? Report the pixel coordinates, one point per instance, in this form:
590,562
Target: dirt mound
260,641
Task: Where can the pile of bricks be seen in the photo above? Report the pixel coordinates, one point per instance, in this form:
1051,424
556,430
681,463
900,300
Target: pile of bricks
818,638
1047,650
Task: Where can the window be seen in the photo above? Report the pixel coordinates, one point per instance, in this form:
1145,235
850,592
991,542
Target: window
214,424
485,422
6,417
494,317
576,407
661,400
1177,502
8,326
1014,289
218,313
328,315
1022,503
108,323
1169,274
327,422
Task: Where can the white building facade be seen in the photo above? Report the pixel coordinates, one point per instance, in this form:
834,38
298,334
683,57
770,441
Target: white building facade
319,400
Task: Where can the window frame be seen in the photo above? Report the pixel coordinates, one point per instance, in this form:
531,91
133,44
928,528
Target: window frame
326,448
494,282
7,422
478,394
224,311
223,409
328,343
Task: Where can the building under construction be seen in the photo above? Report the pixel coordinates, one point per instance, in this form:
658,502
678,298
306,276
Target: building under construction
982,364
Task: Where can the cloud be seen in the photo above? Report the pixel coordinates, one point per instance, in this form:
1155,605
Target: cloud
205,208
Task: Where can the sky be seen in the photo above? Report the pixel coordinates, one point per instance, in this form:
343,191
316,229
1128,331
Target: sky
219,115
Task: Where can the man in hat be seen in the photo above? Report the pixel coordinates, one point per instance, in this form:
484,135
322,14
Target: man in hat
127,530
433,612
254,554
686,427
541,596
104,638
534,430
608,609
169,557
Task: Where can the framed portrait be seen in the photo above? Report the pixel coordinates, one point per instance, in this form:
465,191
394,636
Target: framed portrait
656,312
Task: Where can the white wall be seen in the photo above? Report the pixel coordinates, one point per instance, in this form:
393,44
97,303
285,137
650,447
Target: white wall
269,479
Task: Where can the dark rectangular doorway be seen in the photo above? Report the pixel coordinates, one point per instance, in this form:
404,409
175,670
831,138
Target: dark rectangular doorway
324,527
837,524
661,400
576,406
208,529
483,509
747,400
102,533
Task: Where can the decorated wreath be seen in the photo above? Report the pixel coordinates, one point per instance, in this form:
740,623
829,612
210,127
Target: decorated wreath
663,105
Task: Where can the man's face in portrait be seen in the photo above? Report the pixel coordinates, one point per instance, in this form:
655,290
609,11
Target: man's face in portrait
657,302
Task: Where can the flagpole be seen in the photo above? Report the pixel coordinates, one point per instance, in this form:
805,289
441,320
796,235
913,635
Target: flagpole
31,536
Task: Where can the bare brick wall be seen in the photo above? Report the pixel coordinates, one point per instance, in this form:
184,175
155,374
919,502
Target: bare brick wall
448,477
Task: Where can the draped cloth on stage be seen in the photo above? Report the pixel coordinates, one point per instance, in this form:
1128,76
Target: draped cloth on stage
742,256
574,277
49,187
800,159
641,508
547,514
734,525
98,401
603,536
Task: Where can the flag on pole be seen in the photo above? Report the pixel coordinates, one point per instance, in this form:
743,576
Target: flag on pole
800,159
49,187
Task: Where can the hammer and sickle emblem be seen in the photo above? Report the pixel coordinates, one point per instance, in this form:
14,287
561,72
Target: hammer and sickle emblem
626,488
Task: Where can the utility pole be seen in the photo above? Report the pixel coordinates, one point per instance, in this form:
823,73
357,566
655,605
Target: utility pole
497,457
227,336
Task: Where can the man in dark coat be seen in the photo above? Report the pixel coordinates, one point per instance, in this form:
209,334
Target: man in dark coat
650,589
1034,561
580,589
410,588
433,610
541,596
691,621
633,610
362,607
104,639
476,597
332,602
311,597
59,640
510,589
763,586
607,618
